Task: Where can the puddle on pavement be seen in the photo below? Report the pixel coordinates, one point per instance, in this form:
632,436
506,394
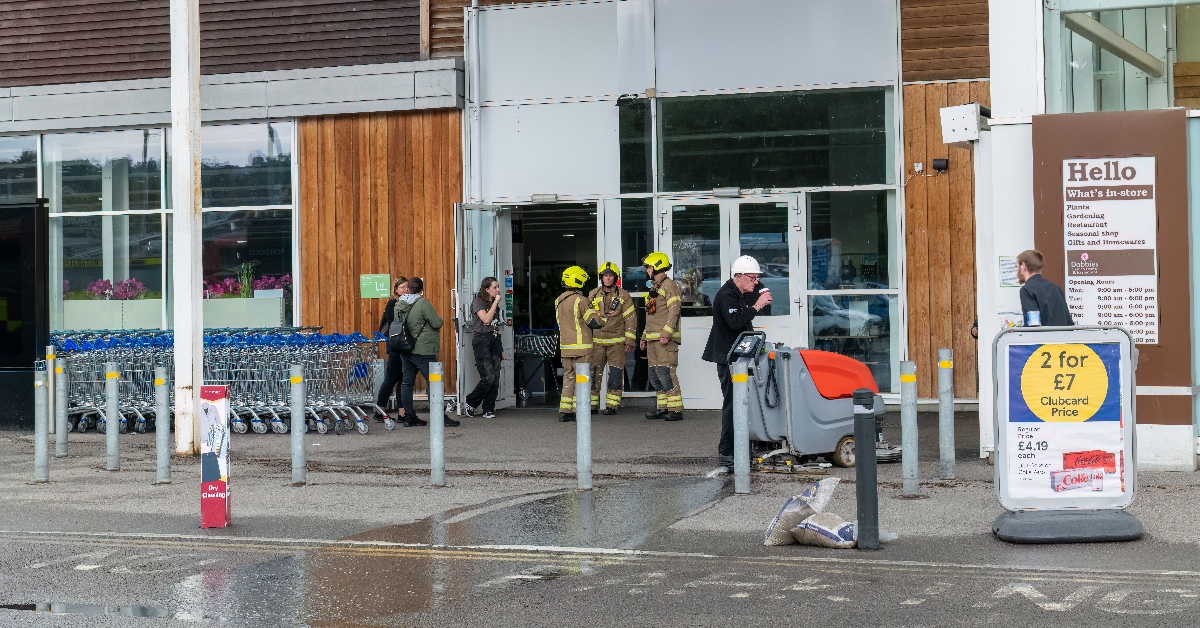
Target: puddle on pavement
364,585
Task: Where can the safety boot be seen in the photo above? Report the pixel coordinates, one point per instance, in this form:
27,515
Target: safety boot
609,411
563,417
657,414
673,416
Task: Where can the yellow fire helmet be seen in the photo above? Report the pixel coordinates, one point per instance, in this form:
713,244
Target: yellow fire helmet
608,267
658,261
574,277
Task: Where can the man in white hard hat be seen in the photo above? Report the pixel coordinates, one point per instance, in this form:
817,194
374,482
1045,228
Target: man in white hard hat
734,308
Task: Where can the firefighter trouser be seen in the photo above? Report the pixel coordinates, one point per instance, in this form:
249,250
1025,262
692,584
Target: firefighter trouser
612,358
663,361
567,403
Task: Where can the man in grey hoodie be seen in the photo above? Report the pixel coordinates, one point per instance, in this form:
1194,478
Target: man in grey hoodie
425,326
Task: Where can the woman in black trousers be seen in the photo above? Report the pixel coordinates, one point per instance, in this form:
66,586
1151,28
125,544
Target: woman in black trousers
489,350
395,368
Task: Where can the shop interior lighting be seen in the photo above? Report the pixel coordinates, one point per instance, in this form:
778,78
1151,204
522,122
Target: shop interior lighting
545,198
727,192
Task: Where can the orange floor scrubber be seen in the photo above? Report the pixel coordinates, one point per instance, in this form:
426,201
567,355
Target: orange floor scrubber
801,406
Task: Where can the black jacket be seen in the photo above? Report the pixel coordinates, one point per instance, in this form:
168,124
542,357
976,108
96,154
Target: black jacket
1042,295
732,315
389,315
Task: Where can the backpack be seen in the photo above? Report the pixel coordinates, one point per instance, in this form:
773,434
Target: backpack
400,339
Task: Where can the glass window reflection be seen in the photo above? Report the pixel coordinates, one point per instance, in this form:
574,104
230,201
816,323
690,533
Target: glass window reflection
107,272
104,171
248,255
848,240
18,168
696,255
857,326
637,241
245,165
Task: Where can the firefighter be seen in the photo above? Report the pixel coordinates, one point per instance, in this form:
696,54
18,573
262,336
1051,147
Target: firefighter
660,338
576,320
614,339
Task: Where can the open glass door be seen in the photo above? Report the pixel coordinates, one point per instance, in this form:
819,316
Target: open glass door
485,250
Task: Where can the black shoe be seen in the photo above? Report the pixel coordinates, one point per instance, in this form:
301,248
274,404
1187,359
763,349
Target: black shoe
725,461
563,417
609,411
673,416
380,417
468,410
413,422
489,415
451,422
657,414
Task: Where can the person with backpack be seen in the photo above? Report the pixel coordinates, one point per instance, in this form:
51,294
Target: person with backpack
416,336
395,367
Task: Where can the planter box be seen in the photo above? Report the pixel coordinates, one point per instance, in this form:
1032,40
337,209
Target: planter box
140,314
258,312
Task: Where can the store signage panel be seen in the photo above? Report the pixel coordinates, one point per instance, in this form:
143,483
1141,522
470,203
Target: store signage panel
1111,221
1064,419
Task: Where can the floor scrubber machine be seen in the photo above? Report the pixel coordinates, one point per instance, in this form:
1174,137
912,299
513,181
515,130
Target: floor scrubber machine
801,405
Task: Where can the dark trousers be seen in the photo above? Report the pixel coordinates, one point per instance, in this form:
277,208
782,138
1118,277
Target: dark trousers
489,353
725,447
391,376
412,364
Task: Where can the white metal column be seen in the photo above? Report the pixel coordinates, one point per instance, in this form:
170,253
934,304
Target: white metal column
185,191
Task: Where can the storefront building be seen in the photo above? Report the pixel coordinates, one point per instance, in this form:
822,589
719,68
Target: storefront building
331,140
602,130
1080,83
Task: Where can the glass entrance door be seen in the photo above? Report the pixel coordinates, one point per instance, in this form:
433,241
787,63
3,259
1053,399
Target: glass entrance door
703,237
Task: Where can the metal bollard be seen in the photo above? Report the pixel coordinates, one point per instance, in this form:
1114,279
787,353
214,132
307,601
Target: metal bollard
741,427
112,415
865,469
908,430
51,402
437,425
162,425
583,425
41,428
298,427
60,409
946,412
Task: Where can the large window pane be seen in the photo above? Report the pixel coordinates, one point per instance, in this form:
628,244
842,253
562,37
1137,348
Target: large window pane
636,137
763,229
106,171
107,272
696,255
248,268
858,326
246,165
849,240
1098,80
18,168
774,140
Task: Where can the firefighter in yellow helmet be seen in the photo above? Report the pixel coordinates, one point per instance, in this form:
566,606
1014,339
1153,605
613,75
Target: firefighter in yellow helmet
576,320
660,338
614,339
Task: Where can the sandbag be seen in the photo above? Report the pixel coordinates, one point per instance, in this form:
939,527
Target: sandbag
826,530
813,500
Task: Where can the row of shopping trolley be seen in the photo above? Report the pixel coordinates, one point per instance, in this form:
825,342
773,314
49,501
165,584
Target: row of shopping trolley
341,372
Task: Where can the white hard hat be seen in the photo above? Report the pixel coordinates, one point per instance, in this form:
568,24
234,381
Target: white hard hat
746,264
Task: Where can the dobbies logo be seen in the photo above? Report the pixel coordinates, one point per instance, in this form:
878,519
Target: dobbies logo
1083,256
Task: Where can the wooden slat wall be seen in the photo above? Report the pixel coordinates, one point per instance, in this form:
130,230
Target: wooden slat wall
446,28
376,196
944,39
1187,85
940,237
73,41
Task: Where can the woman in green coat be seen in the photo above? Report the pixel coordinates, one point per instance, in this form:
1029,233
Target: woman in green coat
425,326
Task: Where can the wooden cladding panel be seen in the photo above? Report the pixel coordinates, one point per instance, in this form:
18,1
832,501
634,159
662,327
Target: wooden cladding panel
944,39
1187,85
377,196
74,41
940,237
446,27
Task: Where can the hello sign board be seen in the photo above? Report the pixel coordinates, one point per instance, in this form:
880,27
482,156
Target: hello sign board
1064,418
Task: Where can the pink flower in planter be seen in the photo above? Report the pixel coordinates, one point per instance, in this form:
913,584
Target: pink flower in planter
128,290
100,289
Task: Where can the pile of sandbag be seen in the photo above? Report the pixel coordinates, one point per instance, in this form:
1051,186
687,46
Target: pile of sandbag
803,520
